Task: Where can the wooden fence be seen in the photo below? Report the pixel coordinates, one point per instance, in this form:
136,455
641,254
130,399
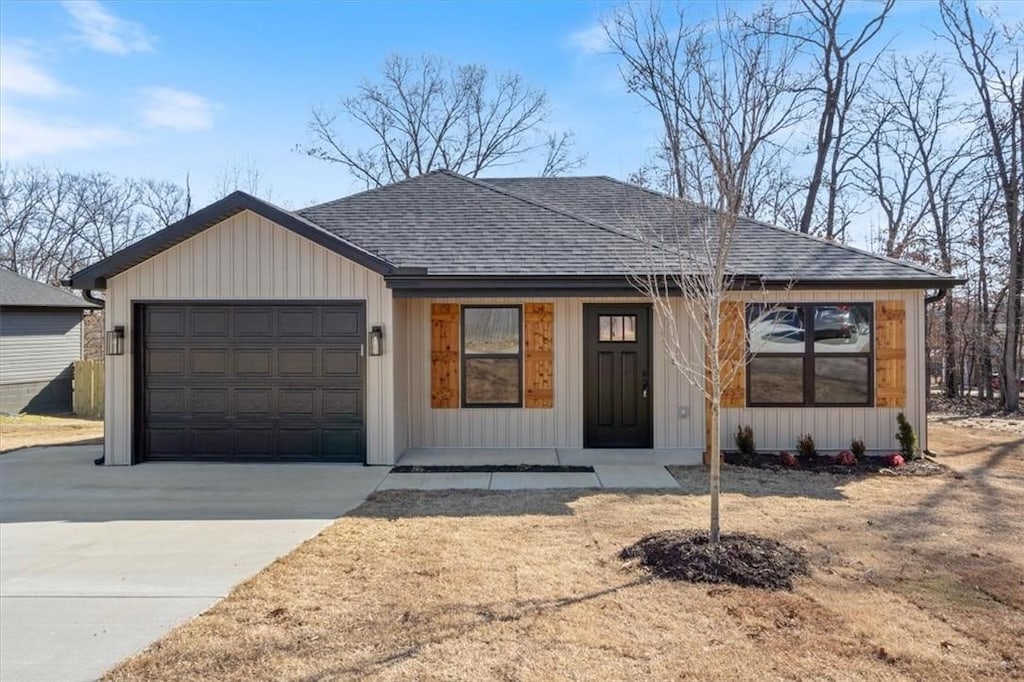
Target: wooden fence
88,389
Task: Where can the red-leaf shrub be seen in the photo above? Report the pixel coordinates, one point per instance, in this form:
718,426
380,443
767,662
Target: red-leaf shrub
846,458
787,459
895,460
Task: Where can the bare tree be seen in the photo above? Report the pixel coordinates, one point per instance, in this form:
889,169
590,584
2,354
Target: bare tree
245,176
723,93
426,114
840,79
991,57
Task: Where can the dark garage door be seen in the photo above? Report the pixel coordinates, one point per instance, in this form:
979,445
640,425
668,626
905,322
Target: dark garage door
253,382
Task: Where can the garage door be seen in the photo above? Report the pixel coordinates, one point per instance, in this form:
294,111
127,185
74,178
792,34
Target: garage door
253,382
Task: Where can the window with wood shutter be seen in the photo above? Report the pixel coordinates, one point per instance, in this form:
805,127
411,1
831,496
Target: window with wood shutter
891,354
444,355
731,349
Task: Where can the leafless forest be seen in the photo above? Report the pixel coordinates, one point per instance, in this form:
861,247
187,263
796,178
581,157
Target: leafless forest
814,119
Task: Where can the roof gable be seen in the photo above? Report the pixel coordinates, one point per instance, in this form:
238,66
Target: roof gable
95,276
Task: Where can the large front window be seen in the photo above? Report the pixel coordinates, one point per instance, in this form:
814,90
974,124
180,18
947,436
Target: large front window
810,354
492,367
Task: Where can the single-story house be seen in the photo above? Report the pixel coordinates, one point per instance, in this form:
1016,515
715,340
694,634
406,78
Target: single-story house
445,312
40,338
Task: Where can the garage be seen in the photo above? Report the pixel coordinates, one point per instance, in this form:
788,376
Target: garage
262,381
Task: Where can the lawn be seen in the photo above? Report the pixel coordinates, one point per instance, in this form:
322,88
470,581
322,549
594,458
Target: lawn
912,578
26,430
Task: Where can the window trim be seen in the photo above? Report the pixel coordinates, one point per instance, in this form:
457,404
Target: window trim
808,355
463,356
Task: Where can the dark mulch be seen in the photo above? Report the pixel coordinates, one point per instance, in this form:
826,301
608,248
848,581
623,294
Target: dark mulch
827,465
492,469
739,559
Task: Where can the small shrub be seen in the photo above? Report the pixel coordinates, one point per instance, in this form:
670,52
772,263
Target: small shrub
906,437
895,460
857,448
846,458
787,459
745,440
806,447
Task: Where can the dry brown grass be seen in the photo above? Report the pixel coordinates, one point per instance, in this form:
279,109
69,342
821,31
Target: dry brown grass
919,578
25,431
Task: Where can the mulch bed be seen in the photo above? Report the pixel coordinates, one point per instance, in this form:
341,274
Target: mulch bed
825,464
492,469
738,559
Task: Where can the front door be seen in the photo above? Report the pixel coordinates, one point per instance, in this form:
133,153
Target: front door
617,375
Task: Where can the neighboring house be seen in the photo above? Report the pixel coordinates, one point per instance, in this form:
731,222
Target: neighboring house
504,319
40,338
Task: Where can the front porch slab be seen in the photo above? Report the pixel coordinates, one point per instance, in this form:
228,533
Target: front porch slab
634,476
628,456
467,481
477,456
539,481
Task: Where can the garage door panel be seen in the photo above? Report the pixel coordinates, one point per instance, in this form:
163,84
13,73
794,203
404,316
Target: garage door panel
254,362
253,323
254,382
297,362
212,322
210,362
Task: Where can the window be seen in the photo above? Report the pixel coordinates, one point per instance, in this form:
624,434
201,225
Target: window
616,328
492,361
810,354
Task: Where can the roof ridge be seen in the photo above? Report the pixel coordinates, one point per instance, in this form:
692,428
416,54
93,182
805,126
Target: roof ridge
815,238
562,212
373,190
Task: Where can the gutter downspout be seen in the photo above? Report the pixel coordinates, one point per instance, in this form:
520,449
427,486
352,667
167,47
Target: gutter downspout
928,300
91,298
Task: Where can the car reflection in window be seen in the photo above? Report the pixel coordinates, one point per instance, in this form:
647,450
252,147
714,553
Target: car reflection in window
778,330
842,329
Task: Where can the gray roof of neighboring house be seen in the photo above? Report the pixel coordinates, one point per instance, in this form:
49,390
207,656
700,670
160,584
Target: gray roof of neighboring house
22,292
445,230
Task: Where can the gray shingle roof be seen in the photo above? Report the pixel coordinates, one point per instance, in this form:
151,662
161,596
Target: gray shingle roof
455,226
18,291
757,249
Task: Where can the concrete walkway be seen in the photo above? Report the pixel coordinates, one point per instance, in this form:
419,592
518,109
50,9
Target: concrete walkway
98,562
604,476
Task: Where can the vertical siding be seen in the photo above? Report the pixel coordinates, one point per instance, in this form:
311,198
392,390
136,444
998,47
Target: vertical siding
396,342
777,428
247,257
560,426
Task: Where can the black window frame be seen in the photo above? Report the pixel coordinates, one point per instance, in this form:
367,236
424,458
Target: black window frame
490,356
809,355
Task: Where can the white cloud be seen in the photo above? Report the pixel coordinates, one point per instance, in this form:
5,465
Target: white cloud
20,74
105,32
176,109
590,40
25,134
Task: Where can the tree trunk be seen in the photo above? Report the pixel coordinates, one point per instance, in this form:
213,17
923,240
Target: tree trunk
949,343
715,467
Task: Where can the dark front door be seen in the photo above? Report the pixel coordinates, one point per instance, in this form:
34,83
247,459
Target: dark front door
261,381
617,375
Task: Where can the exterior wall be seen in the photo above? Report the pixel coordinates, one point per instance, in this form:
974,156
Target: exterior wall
777,428
37,349
247,257
560,426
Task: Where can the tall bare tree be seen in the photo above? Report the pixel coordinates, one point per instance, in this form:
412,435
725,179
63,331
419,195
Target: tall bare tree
724,93
425,114
990,55
839,78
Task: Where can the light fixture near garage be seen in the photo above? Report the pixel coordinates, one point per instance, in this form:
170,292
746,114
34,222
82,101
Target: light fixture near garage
115,341
376,340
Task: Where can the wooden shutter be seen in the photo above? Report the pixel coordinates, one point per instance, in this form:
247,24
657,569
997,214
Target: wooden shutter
539,346
731,348
444,355
890,354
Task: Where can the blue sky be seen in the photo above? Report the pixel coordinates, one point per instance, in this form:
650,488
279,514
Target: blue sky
161,89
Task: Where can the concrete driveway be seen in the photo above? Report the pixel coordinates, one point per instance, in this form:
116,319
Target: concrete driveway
97,562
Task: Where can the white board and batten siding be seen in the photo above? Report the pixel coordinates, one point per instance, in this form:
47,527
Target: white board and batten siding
777,428
560,426
246,258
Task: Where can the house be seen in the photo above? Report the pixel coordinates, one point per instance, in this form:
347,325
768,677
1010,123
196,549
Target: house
445,312
40,338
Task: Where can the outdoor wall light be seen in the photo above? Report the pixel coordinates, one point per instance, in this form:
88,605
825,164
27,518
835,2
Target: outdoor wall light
115,341
376,340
